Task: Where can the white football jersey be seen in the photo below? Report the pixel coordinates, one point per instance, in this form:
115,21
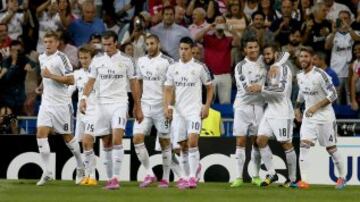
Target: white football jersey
55,93
153,73
187,78
112,74
341,54
252,72
81,77
277,95
246,73
315,86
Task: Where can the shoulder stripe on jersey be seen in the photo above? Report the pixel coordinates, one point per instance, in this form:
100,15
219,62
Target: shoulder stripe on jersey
329,85
239,66
323,74
169,59
65,62
208,72
125,55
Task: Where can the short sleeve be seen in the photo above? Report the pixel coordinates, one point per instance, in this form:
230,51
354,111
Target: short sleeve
169,76
93,69
130,69
137,70
205,75
65,65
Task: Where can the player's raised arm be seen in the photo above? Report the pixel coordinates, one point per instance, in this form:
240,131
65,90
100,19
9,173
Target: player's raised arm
281,58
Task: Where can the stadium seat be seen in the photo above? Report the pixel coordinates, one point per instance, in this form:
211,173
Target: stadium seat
345,112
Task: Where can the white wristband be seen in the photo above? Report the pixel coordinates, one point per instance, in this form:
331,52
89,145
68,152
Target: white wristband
84,97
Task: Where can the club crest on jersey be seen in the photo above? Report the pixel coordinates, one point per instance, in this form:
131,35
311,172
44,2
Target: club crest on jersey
176,73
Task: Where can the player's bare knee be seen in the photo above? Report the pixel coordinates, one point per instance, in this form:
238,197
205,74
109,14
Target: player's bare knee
287,145
306,144
107,141
138,139
88,142
42,132
164,143
261,141
241,141
67,137
331,149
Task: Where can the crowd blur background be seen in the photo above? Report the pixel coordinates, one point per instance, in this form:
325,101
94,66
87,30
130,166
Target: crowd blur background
331,28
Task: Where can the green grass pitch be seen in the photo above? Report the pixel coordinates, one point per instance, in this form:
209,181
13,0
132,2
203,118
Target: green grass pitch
66,191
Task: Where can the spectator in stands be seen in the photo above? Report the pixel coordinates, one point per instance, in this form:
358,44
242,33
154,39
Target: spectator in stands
136,35
257,25
237,22
236,18
211,7
319,60
197,52
170,33
8,121
266,7
250,6
340,42
125,8
81,29
95,41
128,49
14,18
217,56
199,22
305,9
293,48
49,19
65,12
110,22
335,9
317,27
5,40
180,17
70,51
283,26
14,79
354,74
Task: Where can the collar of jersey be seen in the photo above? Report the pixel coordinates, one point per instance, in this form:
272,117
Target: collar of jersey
117,52
158,56
181,62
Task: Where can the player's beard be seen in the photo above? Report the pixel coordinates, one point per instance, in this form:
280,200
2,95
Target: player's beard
270,62
154,52
305,65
